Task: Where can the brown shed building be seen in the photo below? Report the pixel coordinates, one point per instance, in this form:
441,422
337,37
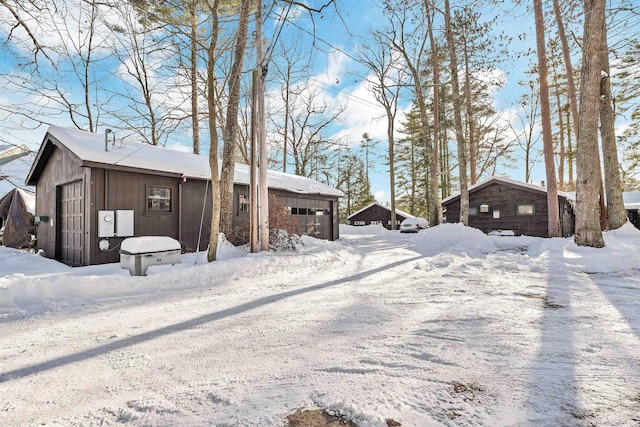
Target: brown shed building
507,205
91,188
377,213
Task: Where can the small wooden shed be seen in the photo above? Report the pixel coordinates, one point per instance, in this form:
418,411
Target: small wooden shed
506,205
91,188
376,213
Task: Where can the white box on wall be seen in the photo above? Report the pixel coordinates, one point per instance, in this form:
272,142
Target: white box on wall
105,224
124,223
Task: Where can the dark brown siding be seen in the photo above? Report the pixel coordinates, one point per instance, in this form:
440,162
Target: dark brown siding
128,191
506,198
315,215
195,194
70,214
376,213
634,217
96,188
62,168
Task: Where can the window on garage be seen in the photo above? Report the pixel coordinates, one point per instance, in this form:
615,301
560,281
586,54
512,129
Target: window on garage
158,199
243,203
526,209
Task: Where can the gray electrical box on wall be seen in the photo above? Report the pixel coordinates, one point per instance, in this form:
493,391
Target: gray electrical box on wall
124,223
106,224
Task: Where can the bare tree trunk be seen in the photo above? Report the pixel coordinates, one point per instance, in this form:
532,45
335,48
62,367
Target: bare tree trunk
570,153
574,104
573,98
194,77
434,164
231,124
473,150
547,138
455,91
213,134
286,120
561,137
392,173
616,213
588,232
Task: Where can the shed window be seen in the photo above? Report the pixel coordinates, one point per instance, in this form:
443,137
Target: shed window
473,211
358,223
243,203
526,209
376,222
158,199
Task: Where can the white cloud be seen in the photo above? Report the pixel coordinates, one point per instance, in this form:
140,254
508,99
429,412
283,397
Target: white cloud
365,114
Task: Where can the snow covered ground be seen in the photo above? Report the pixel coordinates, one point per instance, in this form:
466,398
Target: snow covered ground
445,327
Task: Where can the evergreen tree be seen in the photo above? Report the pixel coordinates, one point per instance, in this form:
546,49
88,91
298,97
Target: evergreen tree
412,167
353,183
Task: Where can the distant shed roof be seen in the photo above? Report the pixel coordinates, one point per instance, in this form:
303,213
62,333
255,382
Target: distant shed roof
631,200
503,180
398,211
90,149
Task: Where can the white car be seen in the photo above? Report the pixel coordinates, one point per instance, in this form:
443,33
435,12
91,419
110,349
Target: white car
413,225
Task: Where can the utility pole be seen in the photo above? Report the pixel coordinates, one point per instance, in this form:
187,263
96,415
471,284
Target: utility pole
262,132
253,165
259,190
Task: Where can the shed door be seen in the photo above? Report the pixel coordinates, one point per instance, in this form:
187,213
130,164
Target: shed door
70,223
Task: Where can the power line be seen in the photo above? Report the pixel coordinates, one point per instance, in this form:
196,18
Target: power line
281,22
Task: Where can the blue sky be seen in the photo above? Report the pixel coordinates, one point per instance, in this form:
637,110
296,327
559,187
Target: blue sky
339,74
364,114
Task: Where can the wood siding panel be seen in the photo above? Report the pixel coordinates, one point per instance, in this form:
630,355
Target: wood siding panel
62,168
109,189
506,198
376,213
71,223
128,191
309,224
193,198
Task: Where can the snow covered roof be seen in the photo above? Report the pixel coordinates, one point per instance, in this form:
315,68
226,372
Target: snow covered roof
503,180
631,200
29,200
398,211
14,169
90,148
12,152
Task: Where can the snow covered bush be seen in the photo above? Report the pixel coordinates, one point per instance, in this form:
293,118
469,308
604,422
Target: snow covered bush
282,228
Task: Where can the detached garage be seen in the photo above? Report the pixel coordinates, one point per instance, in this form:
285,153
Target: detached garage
377,214
90,189
502,204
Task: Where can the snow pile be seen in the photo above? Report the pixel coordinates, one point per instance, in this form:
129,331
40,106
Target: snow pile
32,284
362,230
448,326
619,254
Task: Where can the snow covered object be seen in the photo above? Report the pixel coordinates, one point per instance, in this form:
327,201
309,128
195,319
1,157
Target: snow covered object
15,219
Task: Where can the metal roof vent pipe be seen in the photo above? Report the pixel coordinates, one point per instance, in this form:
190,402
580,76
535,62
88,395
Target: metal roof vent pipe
106,138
